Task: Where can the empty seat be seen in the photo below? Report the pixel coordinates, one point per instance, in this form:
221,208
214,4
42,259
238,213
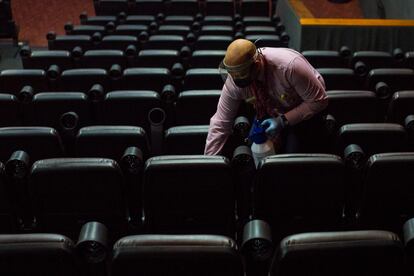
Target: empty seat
38,254
131,30
183,7
118,42
84,29
203,78
396,78
217,30
212,42
266,40
340,79
146,79
168,42
352,106
110,141
373,138
181,30
373,59
103,59
324,59
10,110
255,8
196,107
157,58
44,59
387,192
170,254
110,7
207,58
401,105
129,108
367,253
150,7
9,222
67,192
186,139
139,19
178,192
48,109
69,42
38,142
82,79
218,20
13,80
100,20
315,180
257,20
179,20
259,30
219,7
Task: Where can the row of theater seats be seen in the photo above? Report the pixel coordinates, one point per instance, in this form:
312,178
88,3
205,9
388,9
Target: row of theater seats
184,7
368,253
191,107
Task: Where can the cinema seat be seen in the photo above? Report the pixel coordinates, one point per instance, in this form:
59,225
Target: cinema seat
185,139
40,59
104,59
219,7
317,183
10,110
196,107
139,19
145,79
212,42
401,106
176,254
38,142
110,7
266,40
13,80
255,8
69,42
71,29
93,190
203,78
207,58
183,7
99,20
157,58
118,42
38,254
181,30
81,80
186,20
367,253
217,30
324,59
130,29
165,42
178,192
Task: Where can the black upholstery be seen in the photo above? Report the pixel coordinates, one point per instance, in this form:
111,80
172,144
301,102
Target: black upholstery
396,78
118,42
140,19
189,194
110,141
110,7
167,42
401,105
103,59
10,108
179,19
44,59
212,42
13,80
38,254
183,7
203,78
38,142
207,58
219,7
196,107
93,190
218,20
373,138
324,59
82,79
100,20
387,191
257,20
47,108
352,106
8,219
130,29
266,40
181,30
186,139
157,58
177,255
374,59
145,79
259,30
146,7
68,42
85,30
340,78
368,253
126,107
217,30
255,8
315,183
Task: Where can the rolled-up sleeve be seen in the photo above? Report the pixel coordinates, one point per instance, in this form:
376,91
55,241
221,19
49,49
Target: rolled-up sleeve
221,123
310,87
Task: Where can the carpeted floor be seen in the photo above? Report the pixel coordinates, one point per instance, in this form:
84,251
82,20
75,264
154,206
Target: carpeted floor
37,18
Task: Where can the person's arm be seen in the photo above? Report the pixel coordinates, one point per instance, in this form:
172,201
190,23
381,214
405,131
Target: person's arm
221,123
301,76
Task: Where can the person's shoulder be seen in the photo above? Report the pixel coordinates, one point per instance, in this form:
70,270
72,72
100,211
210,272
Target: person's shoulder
280,57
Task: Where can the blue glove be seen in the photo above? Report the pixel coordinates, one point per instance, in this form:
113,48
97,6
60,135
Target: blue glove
273,126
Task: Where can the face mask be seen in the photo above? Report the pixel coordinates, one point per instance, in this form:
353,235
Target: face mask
242,83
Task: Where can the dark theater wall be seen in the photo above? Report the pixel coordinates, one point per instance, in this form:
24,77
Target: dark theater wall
37,17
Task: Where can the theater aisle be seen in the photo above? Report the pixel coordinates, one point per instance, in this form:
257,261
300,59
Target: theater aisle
36,18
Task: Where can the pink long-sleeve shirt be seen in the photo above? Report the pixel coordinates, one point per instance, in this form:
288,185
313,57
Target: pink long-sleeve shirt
292,82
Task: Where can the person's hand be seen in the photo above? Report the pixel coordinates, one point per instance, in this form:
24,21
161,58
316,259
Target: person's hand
273,126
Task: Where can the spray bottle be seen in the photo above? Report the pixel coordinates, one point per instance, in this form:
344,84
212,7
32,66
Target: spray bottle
261,146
